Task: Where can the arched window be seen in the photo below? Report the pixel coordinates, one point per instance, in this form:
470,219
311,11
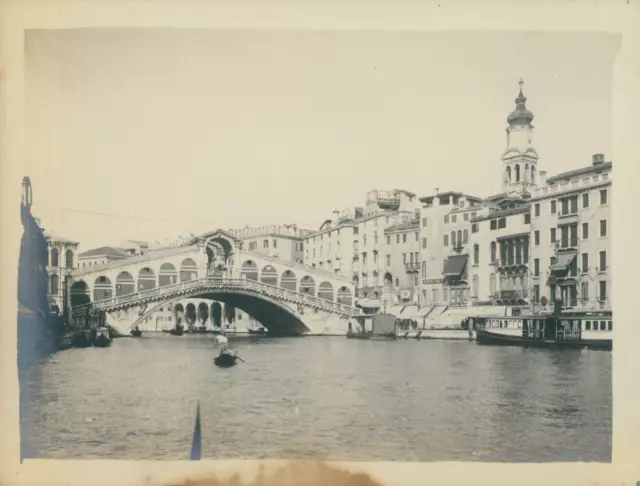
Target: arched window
493,251
509,173
54,285
517,172
69,258
54,257
476,254
533,175
526,173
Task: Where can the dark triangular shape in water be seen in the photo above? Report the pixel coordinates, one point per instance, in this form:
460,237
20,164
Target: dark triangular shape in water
196,446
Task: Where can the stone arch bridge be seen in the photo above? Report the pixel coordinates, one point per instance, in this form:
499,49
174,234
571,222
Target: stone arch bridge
286,298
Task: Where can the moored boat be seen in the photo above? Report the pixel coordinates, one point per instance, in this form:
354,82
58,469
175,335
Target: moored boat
569,330
103,338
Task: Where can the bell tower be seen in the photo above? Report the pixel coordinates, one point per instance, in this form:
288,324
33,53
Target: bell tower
520,159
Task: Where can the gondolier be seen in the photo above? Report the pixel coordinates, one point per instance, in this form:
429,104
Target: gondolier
222,341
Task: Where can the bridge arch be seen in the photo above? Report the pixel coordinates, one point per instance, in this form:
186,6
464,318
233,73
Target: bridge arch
308,285
269,275
102,288
217,314
190,315
168,274
178,313
146,279
249,270
125,284
80,293
289,281
188,270
344,296
203,313
325,291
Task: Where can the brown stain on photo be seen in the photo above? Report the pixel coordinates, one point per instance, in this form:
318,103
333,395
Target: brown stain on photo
293,474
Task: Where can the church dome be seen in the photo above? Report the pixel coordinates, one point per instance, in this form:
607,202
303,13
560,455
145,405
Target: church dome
520,116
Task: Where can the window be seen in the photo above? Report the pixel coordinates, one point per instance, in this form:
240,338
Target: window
536,237
502,223
473,214
424,222
603,227
527,218
585,200
417,236
494,224
587,326
466,216
375,238
536,267
553,235
465,236
476,254
398,238
585,262
603,196
603,261
265,244
536,293
424,269
388,239
493,251
585,231
553,207
536,209
474,228
602,287
459,238
446,218
397,282
584,291
610,326
275,243
388,260
404,238
424,243
446,240
453,218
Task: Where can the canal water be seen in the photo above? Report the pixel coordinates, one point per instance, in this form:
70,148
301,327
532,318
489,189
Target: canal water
320,398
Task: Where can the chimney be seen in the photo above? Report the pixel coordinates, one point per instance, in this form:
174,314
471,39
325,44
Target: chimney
598,159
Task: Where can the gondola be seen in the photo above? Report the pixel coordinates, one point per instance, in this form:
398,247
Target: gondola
225,359
136,332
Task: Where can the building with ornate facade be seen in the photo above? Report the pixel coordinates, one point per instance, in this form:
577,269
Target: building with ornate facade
279,241
62,260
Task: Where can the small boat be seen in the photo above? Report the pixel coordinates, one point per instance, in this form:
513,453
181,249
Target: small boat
136,332
102,339
225,359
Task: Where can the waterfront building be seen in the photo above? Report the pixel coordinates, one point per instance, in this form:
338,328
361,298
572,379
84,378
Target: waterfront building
100,256
402,259
285,242
571,234
61,261
353,242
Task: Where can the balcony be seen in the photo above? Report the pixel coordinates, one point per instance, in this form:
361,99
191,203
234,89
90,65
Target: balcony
412,267
569,244
512,295
566,217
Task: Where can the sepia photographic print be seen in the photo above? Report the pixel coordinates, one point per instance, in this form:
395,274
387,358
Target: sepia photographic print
360,244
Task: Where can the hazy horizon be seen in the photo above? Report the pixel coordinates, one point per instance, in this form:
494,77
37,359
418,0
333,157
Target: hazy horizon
176,131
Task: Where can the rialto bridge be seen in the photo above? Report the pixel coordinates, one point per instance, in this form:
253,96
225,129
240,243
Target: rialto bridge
285,297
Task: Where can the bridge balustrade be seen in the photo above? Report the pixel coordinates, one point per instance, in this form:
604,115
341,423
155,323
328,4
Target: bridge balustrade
218,282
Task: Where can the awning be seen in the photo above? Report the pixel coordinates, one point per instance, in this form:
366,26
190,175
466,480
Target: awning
563,261
454,266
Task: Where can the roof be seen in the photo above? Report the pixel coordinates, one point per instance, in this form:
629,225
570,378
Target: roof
450,193
50,236
108,251
592,169
138,242
415,224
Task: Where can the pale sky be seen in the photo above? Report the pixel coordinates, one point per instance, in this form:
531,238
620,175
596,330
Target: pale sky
147,134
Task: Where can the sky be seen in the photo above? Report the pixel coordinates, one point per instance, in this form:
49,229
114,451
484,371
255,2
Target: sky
151,134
